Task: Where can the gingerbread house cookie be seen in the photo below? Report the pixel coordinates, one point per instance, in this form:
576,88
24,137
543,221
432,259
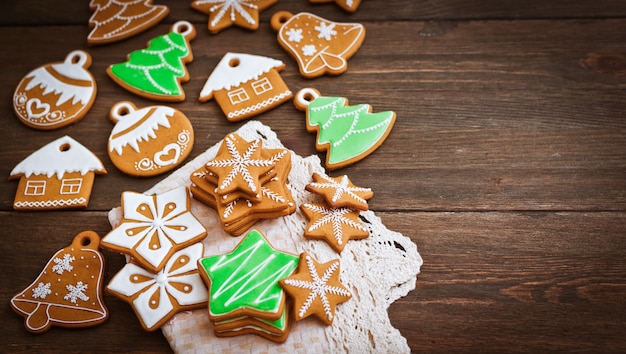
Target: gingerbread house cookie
59,175
244,85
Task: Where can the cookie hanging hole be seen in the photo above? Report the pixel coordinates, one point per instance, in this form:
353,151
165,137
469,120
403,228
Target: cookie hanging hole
85,241
185,29
279,19
304,98
78,57
65,147
234,62
120,110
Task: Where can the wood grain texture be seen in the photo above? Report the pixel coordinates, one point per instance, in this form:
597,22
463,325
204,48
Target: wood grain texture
506,165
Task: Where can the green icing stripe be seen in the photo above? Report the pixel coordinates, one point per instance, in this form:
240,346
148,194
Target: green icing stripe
247,278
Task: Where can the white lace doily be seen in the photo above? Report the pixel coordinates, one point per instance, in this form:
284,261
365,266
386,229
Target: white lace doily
378,270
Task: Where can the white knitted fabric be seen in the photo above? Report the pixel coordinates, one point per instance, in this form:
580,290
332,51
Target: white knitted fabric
377,270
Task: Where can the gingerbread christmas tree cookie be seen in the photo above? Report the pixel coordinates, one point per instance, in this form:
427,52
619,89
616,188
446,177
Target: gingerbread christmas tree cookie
156,72
114,20
319,46
57,94
68,292
59,175
347,133
316,289
157,296
225,13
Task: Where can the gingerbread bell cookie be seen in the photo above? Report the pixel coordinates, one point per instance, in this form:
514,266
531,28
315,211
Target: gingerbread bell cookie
148,141
244,294
157,296
57,94
59,175
157,72
68,292
315,289
245,85
319,46
347,133
153,227
114,20
347,5
226,13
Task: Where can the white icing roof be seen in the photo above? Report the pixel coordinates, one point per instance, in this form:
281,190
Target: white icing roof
145,122
64,155
249,67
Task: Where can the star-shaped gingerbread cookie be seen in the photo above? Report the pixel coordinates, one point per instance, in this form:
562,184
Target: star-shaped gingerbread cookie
340,191
334,225
225,13
316,289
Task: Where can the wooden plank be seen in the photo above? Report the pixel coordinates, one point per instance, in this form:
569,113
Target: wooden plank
521,282
481,125
50,12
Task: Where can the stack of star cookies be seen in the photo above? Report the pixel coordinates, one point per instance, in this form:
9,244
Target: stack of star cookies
337,220
245,183
244,293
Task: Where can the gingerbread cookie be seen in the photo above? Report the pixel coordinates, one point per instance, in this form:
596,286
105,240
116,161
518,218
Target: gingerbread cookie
245,85
340,191
153,227
334,225
114,20
57,94
157,72
68,292
347,133
148,141
315,289
319,46
157,296
57,176
244,282
225,13
347,5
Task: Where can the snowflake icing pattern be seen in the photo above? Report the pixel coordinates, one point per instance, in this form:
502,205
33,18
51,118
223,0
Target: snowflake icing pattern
326,31
41,291
64,264
308,50
76,292
294,35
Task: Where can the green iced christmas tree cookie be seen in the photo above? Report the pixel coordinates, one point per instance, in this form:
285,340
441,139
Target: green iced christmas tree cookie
156,72
347,133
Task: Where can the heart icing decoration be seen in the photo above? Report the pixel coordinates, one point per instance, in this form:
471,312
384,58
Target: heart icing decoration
36,109
168,156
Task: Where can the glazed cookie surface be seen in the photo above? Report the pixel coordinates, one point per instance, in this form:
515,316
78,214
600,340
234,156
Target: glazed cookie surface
57,94
148,141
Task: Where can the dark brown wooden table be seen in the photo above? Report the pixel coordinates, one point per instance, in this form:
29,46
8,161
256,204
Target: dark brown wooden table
506,166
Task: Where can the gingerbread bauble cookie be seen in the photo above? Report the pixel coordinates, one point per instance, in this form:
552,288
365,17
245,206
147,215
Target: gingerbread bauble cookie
57,94
150,140
68,292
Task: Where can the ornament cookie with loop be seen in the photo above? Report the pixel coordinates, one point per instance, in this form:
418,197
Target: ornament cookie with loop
319,46
157,72
57,94
148,141
347,133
